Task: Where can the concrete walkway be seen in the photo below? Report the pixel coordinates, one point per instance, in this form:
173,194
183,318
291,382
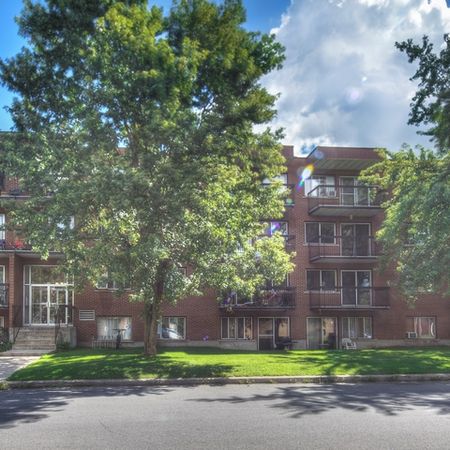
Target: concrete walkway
9,364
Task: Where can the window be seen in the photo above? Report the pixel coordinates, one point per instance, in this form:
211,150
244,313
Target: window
2,322
424,327
279,226
320,232
172,328
3,288
282,178
236,328
106,282
108,327
320,186
2,227
321,280
357,327
68,223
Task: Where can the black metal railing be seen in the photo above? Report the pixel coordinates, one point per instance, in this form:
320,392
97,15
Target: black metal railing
16,244
343,247
266,298
17,321
345,196
4,287
350,297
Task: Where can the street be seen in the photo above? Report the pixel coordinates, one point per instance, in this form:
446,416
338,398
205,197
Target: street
359,416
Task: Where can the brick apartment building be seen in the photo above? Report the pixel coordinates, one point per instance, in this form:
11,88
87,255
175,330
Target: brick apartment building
335,291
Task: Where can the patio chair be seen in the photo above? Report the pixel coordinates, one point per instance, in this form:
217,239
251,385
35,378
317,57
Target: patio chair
348,344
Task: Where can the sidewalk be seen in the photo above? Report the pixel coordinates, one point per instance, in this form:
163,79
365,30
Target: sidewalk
9,364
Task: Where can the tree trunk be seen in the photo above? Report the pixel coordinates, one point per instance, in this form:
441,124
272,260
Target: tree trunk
151,317
152,311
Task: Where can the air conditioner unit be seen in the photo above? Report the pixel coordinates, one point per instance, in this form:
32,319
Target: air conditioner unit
411,335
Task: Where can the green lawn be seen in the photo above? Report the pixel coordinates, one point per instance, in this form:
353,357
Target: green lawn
211,362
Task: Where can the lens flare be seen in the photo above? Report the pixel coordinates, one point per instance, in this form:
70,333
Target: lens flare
274,226
307,172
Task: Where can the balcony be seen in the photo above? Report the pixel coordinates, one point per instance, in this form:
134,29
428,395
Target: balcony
16,244
277,298
345,298
346,249
340,200
4,295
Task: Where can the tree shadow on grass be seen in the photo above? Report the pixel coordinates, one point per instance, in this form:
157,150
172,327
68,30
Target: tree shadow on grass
28,406
369,362
117,365
387,399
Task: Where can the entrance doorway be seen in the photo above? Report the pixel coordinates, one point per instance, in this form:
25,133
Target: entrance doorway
272,330
47,296
321,332
46,302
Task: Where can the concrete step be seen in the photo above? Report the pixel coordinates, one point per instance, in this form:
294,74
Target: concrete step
33,347
25,352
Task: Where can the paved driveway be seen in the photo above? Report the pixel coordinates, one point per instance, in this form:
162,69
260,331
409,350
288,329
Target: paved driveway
9,364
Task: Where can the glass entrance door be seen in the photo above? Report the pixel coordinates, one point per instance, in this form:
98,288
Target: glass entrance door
46,302
321,332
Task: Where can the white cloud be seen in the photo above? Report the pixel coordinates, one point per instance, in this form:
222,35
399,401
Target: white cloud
343,81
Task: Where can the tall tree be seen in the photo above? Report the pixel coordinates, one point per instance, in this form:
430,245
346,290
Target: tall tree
140,126
416,230
431,103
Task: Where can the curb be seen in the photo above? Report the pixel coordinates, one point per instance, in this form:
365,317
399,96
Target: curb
318,379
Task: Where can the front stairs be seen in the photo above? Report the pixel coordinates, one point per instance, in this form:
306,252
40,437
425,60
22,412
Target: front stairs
34,340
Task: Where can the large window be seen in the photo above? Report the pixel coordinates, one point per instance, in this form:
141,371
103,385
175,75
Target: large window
424,327
106,282
320,280
320,186
172,328
275,226
3,288
108,327
357,327
320,232
236,328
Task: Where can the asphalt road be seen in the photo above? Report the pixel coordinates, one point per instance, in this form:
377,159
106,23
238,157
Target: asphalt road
360,416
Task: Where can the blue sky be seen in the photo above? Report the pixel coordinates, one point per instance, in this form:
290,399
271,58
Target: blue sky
343,81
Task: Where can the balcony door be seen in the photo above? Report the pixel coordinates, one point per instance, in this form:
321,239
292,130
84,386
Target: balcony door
355,239
353,192
272,330
321,332
356,287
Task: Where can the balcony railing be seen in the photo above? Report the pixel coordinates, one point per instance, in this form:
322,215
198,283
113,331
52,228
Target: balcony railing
280,298
4,295
16,244
344,248
350,298
343,200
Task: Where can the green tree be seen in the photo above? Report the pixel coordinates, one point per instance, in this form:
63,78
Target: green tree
416,229
431,102
140,126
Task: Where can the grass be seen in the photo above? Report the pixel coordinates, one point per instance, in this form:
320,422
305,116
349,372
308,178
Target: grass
212,362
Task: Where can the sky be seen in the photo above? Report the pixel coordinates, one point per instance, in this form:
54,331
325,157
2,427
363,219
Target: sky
343,81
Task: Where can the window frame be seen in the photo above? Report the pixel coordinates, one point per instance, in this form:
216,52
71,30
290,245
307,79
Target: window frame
415,320
99,318
321,280
330,180
320,234
2,227
355,318
236,327
160,325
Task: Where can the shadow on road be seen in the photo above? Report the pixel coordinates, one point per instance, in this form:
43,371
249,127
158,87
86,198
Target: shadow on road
387,399
26,406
